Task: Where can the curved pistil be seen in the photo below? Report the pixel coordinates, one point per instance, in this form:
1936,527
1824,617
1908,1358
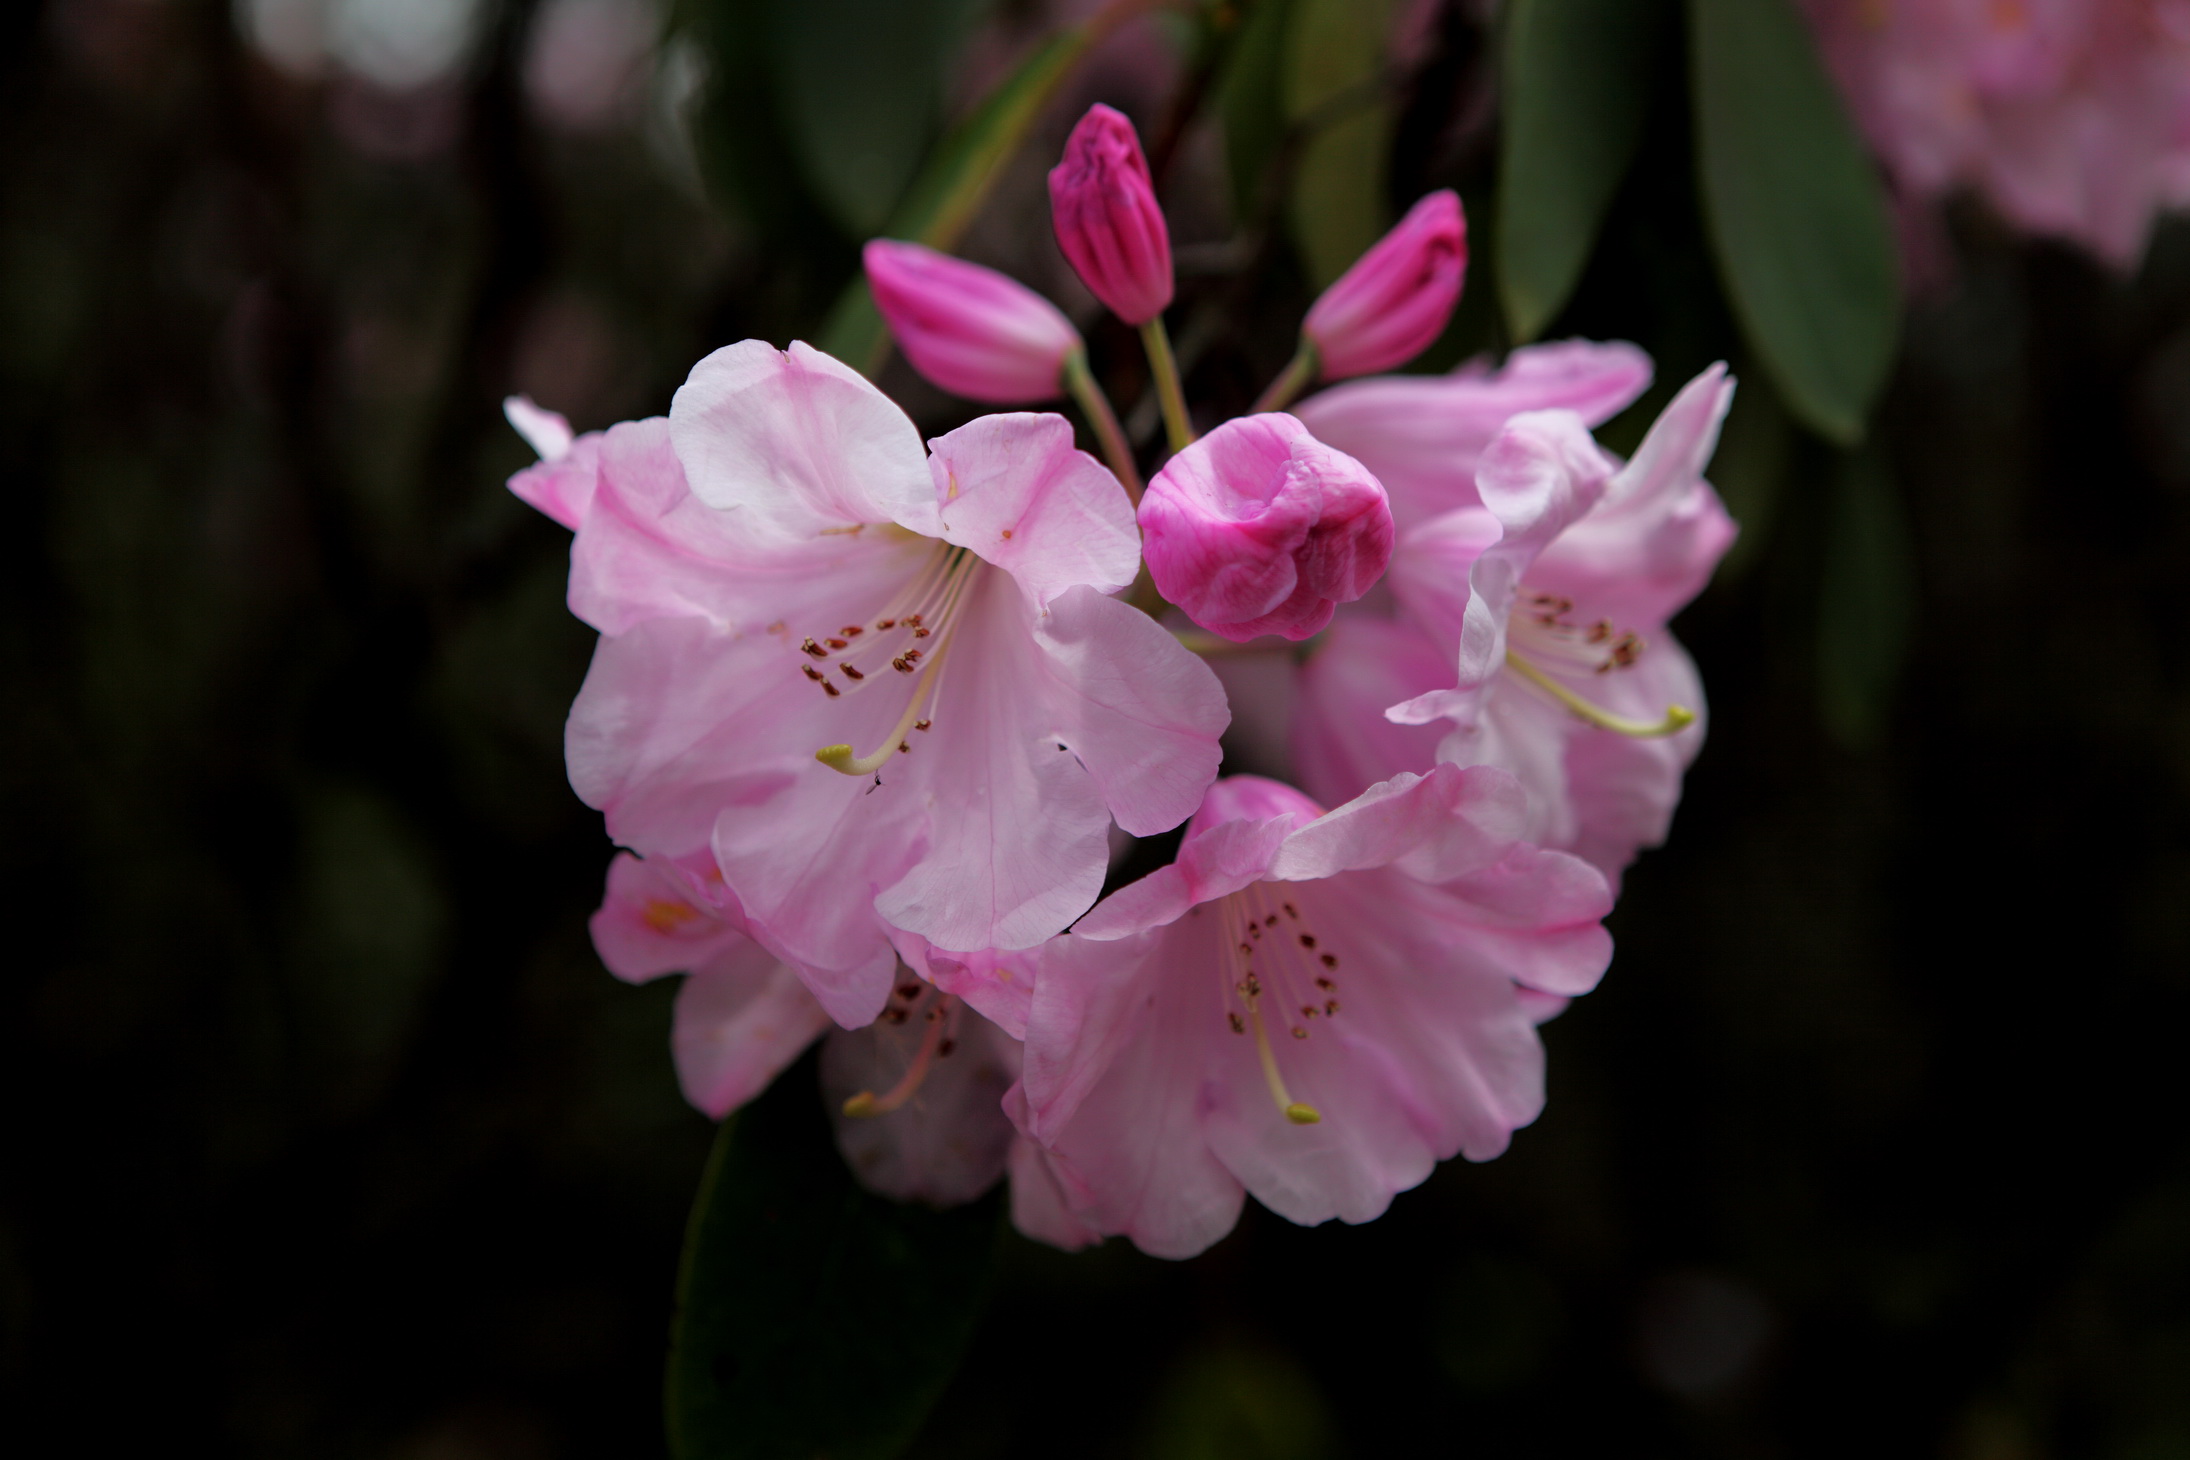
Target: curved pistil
1677,717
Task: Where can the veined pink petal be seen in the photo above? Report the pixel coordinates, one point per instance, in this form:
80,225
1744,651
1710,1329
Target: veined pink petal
1039,1206
798,445
1014,489
654,921
741,1020
1421,434
1342,742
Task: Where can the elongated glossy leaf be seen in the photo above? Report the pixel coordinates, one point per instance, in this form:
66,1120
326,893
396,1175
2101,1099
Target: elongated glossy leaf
1866,602
1577,83
1251,97
958,176
860,85
812,1318
1334,59
1795,212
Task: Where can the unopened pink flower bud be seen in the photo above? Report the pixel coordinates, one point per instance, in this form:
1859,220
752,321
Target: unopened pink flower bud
1104,206
1393,303
1259,528
971,330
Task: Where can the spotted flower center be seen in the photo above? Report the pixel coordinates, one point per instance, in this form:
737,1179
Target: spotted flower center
1277,972
901,651
1544,641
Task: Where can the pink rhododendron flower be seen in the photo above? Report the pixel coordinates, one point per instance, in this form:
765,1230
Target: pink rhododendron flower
886,690
2071,116
1314,1008
1394,302
1259,528
1530,633
1108,221
927,1077
971,330
1421,434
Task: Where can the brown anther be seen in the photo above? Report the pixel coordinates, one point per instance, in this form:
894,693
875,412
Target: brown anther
1270,921
812,673
1307,940
943,1050
838,644
1299,1033
900,665
1247,950
907,991
851,671
1600,631
913,619
894,1015
1325,984
851,631
885,623
912,656
903,748
935,1012
1290,911
920,633
1330,1006
1239,1025
1330,960
815,649
1254,987
830,690
1308,1011
1240,988
1007,534
922,724
1254,930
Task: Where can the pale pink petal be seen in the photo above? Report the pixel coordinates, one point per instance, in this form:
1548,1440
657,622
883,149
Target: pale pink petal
1140,711
740,1020
1440,825
998,984
1039,1208
545,431
1422,434
1013,489
1651,544
562,487
1342,743
1541,474
949,1142
1623,789
798,445
651,922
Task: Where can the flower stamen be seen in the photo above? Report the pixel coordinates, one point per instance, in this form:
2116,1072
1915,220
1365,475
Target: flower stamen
1677,717
933,1046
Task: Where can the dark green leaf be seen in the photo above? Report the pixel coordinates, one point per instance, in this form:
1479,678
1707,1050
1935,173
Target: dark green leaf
1234,1402
957,178
1750,469
860,84
812,1318
1866,603
1795,212
1577,83
1335,92
1251,98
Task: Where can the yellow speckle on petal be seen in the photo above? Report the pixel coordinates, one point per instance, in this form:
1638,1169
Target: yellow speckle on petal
664,916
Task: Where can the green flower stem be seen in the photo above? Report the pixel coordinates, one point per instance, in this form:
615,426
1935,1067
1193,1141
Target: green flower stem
1166,367
1103,421
1297,376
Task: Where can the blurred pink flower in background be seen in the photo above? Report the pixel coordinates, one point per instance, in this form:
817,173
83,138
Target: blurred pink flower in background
1312,1008
1108,222
1259,528
1394,302
969,329
2072,117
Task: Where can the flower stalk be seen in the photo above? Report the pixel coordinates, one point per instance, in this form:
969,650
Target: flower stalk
1177,425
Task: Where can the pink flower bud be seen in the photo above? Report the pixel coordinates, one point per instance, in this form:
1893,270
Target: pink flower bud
1259,528
1108,222
1393,303
971,330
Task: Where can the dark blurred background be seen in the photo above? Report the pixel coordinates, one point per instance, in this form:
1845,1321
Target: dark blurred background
325,1132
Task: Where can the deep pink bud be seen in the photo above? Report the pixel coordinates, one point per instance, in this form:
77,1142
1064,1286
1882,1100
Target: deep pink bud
1259,528
1393,303
971,330
1104,206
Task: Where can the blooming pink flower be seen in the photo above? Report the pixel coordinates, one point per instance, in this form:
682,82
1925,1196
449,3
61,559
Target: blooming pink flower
1315,1008
927,1077
1259,528
1394,302
1421,434
1108,221
1530,633
971,330
887,691
2071,116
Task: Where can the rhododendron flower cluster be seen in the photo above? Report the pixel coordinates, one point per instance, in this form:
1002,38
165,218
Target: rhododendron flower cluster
868,715
2071,116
